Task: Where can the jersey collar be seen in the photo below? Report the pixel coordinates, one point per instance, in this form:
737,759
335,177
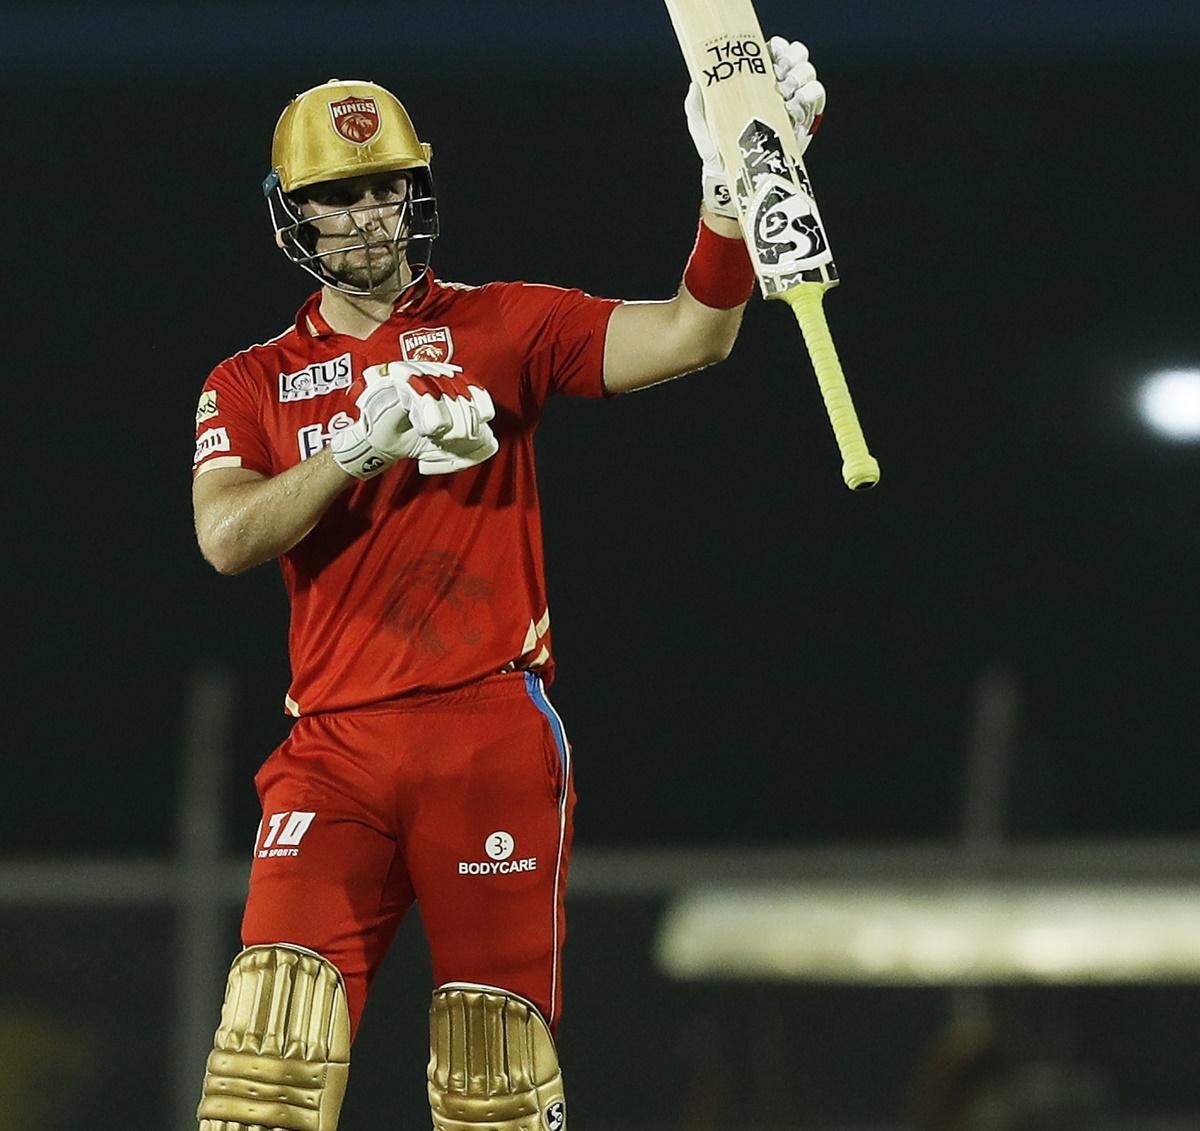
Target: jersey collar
311,323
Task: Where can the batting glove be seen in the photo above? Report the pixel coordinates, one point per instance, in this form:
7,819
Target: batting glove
420,410
803,95
448,411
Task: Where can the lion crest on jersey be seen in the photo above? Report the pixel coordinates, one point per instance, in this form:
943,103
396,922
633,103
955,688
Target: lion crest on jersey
427,344
355,119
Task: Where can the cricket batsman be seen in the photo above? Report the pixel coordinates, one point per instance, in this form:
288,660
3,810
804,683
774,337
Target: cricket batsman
381,448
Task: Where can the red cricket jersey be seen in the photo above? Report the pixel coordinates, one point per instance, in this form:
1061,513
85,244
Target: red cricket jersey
411,583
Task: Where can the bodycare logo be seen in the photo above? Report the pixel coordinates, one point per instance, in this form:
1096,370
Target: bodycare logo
500,846
355,119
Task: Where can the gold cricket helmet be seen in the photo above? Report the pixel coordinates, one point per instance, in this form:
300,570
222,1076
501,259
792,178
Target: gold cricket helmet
342,129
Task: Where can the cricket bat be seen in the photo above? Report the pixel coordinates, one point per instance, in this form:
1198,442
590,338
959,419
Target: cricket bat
728,59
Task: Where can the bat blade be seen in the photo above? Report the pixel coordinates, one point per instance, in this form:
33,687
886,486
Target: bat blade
728,59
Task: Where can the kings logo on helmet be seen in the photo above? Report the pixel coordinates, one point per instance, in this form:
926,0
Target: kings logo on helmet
355,119
427,344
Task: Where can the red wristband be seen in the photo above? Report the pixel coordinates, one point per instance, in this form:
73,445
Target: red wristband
718,273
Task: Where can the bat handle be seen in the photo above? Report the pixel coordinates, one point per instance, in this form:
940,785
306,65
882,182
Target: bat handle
860,469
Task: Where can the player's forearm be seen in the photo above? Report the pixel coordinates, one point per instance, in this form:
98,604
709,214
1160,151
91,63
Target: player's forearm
249,523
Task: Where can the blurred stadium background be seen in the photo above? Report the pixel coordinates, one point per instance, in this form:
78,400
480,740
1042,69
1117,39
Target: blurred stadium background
888,802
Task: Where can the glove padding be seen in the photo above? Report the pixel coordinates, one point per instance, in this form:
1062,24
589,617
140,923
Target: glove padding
420,410
803,95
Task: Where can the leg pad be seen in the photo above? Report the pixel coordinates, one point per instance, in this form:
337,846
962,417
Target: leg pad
492,1064
281,1057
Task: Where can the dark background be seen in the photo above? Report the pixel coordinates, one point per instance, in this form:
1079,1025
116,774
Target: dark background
748,653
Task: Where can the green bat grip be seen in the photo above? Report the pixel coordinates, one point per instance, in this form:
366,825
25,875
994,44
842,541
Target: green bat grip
860,469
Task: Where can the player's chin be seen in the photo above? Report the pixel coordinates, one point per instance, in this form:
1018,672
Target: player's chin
379,273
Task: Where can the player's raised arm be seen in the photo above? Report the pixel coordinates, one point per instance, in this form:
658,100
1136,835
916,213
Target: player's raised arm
649,342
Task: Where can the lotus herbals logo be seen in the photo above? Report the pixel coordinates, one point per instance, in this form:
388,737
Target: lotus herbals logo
316,380
355,119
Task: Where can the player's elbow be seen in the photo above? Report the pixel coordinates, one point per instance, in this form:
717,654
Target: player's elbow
222,560
222,553
711,340
229,567
713,349
721,349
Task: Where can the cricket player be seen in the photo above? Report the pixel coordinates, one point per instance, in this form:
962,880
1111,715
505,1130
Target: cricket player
381,448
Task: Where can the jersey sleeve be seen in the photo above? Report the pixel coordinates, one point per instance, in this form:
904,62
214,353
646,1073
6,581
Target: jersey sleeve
559,335
229,429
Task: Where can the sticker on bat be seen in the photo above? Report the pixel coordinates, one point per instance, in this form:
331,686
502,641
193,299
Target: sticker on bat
786,228
763,153
727,57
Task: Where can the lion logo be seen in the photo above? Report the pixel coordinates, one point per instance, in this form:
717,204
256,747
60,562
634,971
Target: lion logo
427,344
355,119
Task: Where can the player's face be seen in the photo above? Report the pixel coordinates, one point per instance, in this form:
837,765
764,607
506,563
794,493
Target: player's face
361,226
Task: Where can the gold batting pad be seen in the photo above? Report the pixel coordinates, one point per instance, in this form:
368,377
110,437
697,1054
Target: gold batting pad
281,1057
492,1063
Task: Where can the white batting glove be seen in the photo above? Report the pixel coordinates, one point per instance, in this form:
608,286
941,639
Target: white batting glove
420,410
450,412
380,436
441,457
441,404
803,95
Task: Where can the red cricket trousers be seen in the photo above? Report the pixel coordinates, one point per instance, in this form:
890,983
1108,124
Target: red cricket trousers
462,801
